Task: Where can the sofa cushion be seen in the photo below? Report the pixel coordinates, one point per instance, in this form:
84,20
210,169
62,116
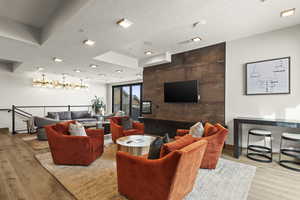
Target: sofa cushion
209,129
65,115
53,115
177,144
80,114
126,123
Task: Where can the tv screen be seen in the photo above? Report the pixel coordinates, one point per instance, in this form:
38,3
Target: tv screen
181,92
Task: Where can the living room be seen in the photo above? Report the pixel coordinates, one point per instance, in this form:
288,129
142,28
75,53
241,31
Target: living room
186,100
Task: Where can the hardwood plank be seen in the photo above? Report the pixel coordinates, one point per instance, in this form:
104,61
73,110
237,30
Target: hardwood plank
271,181
22,177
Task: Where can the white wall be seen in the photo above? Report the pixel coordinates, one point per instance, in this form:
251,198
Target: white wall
270,45
16,89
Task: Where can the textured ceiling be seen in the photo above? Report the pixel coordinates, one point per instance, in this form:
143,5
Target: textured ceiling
31,12
159,26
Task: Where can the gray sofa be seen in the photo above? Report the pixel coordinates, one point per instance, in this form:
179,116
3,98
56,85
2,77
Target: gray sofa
40,123
55,117
80,116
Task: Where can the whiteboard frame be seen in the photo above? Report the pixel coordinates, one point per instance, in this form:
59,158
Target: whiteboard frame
262,61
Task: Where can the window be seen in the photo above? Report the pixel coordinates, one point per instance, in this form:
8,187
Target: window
128,99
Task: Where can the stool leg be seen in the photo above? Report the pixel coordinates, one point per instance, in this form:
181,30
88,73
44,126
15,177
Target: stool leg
280,149
271,144
248,143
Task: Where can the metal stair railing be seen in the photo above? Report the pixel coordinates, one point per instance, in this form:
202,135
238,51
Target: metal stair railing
17,110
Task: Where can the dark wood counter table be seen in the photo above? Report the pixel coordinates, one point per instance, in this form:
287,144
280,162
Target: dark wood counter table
259,121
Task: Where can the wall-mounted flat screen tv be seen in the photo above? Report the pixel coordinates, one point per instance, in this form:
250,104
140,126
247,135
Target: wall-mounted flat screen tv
181,92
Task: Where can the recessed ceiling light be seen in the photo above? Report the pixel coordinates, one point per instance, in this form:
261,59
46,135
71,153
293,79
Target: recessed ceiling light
138,75
77,71
288,13
101,75
93,66
57,59
89,42
119,70
148,53
40,68
196,39
125,23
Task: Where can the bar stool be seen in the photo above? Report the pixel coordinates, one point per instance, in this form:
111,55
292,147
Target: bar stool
264,152
290,151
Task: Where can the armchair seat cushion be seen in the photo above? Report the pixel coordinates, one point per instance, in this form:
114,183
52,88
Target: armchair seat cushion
132,132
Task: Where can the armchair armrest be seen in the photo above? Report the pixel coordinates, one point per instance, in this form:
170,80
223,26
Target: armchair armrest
138,125
40,122
182,132
94,132
116,130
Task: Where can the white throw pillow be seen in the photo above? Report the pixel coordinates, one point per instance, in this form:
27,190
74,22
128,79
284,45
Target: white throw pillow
120,113
77,129
197,130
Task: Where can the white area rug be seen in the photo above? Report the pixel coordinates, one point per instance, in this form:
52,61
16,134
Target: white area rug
229,181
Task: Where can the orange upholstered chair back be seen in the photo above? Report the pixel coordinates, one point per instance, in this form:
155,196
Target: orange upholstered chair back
169,178
187,169
63,127
117,120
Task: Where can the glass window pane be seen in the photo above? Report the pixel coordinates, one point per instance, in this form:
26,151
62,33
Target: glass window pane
126,99
136,101
117,99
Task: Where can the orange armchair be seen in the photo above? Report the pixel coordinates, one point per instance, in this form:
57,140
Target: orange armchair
168,178
74,150
216,136
117,130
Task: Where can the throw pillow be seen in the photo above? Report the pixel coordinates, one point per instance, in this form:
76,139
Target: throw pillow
209,129
63,127
166,138
53,115
126,123
120,113
155,146
177,144
197,130
77,129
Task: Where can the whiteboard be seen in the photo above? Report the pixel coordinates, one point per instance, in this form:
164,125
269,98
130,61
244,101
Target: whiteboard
268,77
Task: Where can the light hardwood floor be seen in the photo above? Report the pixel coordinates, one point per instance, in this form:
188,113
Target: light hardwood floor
22,177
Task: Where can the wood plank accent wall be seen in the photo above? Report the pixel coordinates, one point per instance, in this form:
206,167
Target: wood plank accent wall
207,65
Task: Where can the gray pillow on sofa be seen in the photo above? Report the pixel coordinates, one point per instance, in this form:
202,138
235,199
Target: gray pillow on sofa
65,115
53,115
126,122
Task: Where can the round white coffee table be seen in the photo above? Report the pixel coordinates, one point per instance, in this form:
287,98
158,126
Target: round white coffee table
136,145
